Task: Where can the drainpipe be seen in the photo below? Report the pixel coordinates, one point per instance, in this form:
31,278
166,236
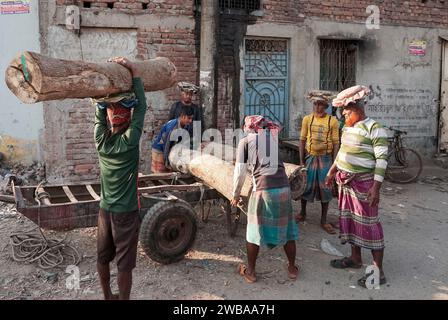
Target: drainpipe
439,102
208,57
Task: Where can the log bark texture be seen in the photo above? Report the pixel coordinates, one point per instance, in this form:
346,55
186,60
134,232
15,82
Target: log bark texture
214,172
218,173
33,77
296,174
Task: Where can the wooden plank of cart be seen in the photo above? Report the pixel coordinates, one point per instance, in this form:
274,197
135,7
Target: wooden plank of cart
168,227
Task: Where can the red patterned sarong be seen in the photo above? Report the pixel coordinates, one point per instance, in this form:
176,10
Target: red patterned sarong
359,222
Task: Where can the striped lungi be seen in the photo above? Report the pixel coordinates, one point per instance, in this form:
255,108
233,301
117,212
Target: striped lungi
158,162
270,220
359,222
318,167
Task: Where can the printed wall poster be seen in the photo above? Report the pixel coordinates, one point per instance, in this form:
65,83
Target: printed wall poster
15,7
417,48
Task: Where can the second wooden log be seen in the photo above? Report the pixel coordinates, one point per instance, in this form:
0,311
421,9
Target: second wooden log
296,174
218,173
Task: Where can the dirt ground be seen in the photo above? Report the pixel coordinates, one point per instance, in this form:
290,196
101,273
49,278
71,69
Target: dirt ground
415,222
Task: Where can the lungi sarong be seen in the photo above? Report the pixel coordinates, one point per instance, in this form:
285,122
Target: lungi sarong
270,220
318,167
158,162
359,222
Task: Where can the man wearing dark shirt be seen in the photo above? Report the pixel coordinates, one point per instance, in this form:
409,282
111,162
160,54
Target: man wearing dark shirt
186,96
118,150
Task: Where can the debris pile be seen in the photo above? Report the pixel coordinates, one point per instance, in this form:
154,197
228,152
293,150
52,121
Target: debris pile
24,175
439,183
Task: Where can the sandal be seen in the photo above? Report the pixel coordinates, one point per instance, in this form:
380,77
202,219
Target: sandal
242,271
344,263
300,218
335,225
328,228
362,281
293,275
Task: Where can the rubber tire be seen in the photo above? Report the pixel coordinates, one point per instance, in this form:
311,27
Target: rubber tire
150,222
390,177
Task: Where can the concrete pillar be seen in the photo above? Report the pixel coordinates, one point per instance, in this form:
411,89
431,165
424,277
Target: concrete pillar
208,57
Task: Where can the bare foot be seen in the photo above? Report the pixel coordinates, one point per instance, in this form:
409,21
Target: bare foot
293,272
300,218
250,278
335,225
328,228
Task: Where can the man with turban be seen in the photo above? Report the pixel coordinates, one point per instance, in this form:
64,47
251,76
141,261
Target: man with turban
187,91
270,220
319,137
359,171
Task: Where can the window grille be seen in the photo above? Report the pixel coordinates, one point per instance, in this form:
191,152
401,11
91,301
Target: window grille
337,64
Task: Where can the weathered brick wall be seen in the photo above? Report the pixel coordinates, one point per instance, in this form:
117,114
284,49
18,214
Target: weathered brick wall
408,13
231,37
165,7
181,45
287,11
80,147
412,12
70,153
232,29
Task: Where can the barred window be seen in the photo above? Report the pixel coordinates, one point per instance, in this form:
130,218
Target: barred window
337,64
247,5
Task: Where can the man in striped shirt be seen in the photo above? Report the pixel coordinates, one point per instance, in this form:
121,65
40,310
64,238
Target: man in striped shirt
359,170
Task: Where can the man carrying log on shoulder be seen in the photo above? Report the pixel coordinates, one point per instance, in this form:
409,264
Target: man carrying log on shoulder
118,150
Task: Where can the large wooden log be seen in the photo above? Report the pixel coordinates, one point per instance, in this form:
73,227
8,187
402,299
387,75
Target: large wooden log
214,172
218,173
33,77
296,174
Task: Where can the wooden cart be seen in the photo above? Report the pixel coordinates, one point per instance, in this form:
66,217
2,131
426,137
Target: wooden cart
167,200
169,222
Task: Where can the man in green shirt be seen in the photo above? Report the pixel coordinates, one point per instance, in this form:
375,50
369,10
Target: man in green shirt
117,138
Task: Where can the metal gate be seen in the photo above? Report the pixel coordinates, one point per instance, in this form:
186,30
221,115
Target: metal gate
266,84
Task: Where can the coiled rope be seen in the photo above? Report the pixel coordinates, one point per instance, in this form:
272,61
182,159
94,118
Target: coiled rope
33,247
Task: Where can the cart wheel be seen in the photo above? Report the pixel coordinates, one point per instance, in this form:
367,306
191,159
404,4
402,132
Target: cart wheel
233,219
168,231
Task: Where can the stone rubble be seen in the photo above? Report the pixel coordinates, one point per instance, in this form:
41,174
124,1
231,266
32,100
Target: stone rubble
25,175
